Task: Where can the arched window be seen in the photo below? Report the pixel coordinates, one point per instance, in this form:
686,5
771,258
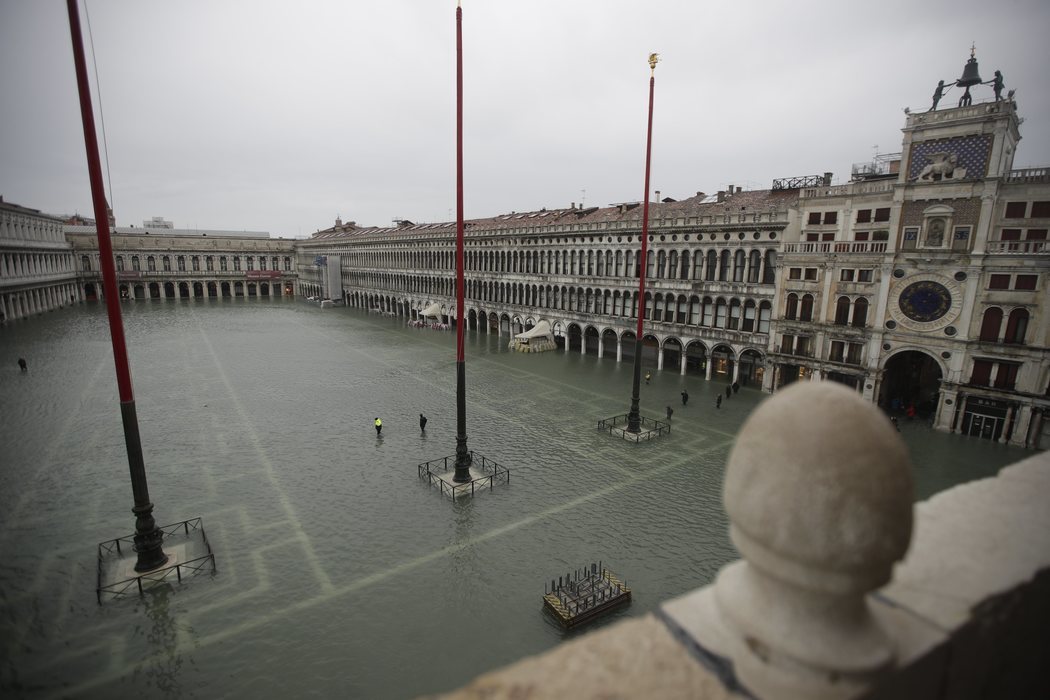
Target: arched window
684,273
842,311
658,308
734,313
720,313
650,264
85,263
739,263
683,307
791,310
694,311
860,313
765,310
135,263
668,271
590,262
151,264
749,317
709,312
120,263
723,268
222,263
698,265
770,270
754,267
1016,326
712,265
619,263
990,325
806,312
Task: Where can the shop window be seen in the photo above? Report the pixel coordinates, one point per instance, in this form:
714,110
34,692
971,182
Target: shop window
1016,210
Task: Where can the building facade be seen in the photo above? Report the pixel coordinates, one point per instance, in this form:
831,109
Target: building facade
169,263
37,272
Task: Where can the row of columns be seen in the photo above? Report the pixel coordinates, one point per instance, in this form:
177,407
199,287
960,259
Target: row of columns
275,288
24,303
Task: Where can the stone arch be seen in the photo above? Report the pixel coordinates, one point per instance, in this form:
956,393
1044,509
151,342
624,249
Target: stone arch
696,357
911,375
591,340
723,362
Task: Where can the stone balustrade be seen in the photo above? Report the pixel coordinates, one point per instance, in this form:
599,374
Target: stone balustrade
834,597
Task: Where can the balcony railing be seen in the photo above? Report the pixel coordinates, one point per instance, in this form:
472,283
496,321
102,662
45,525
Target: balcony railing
823,247
1016,247
1026,176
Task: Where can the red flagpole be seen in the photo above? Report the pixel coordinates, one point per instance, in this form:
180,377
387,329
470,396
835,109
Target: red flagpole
634,421
148,537
463,458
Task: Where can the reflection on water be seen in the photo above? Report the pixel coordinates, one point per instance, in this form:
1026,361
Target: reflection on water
336,565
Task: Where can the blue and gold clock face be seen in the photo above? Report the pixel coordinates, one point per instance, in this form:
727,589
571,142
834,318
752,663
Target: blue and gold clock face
925,301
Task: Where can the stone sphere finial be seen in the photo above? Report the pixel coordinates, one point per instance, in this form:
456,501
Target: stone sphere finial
819,495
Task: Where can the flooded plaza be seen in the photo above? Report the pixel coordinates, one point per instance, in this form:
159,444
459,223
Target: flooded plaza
339,572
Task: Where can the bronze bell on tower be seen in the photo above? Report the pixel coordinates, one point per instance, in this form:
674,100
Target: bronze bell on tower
970,75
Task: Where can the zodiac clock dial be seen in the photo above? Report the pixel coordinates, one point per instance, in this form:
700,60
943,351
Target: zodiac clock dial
925,301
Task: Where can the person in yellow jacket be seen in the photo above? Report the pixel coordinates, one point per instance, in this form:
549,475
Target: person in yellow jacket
379,426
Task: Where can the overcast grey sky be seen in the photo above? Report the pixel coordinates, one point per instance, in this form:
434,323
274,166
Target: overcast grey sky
279,116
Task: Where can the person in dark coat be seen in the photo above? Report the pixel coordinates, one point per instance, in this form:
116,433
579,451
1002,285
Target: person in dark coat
736,387
718,401
422,423
22,364
729,391
685,397
669,412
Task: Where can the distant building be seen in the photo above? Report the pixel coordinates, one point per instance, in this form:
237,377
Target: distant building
37,272
185,264
157,222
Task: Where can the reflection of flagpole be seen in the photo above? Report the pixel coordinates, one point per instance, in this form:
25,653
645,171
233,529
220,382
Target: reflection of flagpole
633,417
148,537
463,460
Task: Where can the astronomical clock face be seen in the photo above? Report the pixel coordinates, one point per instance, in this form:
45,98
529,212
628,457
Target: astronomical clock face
925,302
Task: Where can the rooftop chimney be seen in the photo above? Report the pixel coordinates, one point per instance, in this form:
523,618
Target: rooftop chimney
700,194
827,179
738,188
721,195
658,195
572,205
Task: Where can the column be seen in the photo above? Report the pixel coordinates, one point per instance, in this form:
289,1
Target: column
583,341
1035,430
683,363
601,347
960,413
659,357
619,349
736,370
943,418
1011,412
1022,424
710,365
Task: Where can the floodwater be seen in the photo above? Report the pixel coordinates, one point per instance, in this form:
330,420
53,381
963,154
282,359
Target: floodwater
340,573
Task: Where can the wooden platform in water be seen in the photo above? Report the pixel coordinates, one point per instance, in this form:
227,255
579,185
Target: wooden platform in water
585,595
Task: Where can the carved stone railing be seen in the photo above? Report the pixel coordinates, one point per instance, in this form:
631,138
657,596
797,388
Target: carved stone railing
819,496
1016,247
